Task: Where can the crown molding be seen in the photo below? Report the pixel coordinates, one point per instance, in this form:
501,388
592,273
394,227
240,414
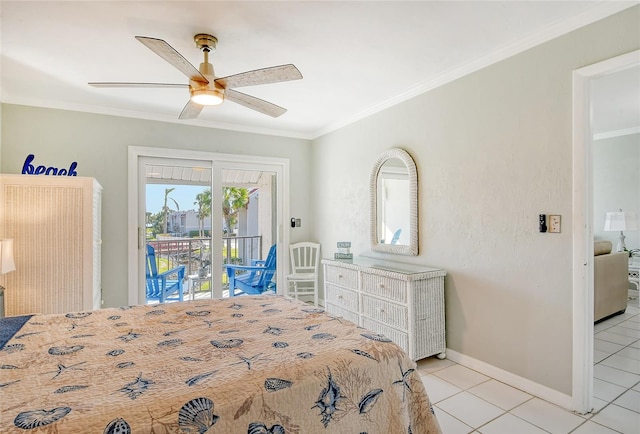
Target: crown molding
154,117
617,133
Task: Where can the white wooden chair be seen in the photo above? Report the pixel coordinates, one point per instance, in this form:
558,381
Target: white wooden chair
305,262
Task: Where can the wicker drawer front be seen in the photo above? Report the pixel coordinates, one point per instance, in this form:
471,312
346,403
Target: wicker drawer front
429,339
393,289
400,338
344,313
341,276
385,312
385,298
342,297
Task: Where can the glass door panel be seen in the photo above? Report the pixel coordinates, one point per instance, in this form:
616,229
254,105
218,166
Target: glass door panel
249,217
176,196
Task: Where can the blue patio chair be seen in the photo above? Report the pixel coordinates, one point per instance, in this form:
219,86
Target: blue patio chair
255,278
161,286
396,236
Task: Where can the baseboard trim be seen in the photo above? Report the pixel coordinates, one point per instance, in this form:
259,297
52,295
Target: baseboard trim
533,388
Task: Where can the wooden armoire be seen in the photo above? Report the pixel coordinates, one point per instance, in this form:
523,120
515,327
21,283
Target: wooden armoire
55,222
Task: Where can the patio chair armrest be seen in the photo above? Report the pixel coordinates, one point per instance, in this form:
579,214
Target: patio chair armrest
179,270
244,267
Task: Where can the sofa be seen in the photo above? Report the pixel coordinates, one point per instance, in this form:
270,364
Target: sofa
610,281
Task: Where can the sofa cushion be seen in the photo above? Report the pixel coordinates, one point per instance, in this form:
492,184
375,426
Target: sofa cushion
602,247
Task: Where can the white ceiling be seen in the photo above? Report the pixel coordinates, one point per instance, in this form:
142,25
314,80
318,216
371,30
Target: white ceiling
356,57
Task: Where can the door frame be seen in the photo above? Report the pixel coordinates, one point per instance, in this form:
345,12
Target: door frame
582,381
136,234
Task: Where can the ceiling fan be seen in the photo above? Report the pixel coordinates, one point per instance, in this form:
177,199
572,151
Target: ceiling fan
207,89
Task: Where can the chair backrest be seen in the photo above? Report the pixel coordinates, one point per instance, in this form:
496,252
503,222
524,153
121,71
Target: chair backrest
305,257
153,286
396,236
269,268
152,265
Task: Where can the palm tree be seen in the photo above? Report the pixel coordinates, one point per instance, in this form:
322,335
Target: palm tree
166,209
233,199
154,224
203,200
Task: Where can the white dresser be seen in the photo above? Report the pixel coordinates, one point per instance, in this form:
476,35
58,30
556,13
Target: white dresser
402,302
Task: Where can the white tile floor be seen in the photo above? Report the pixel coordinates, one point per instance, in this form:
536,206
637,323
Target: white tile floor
466,401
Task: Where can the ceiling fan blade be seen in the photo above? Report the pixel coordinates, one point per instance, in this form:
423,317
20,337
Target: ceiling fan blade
274,74
191,110
124,84
168,53
254,103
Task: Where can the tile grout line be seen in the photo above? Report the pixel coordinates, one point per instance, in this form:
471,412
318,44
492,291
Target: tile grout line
585,418
610,402
518,417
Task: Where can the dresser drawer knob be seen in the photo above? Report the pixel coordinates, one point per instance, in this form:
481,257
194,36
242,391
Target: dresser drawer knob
339,276
382,285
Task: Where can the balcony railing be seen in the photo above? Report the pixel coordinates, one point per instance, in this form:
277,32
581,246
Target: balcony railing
195,253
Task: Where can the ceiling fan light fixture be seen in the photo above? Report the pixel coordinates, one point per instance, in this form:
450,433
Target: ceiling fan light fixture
205,88
207,97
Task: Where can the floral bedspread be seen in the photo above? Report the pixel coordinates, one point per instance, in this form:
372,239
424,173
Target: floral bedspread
251,365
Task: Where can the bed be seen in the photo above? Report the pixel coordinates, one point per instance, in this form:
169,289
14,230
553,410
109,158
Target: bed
254,364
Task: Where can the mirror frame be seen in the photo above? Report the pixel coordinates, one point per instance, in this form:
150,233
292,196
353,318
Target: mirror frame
376,246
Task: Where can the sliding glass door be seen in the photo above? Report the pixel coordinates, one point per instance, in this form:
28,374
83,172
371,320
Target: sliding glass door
203,213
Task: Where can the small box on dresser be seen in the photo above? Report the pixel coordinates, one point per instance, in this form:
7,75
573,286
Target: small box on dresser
403,302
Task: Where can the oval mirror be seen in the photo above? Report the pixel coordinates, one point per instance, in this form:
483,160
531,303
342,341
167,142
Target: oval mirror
394,203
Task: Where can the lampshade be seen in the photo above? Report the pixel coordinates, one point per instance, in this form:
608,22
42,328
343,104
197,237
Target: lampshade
6,256
622,221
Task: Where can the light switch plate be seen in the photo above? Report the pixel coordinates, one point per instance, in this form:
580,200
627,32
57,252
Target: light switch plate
554,223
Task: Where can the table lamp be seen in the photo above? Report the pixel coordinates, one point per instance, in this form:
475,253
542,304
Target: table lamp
6,265
6,256
621,221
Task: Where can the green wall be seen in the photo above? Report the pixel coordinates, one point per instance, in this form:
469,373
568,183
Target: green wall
100,143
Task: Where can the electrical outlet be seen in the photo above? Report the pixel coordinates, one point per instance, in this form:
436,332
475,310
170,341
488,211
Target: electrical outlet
554,224
298,223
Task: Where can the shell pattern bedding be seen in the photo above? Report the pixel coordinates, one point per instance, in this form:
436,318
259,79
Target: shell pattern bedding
266,364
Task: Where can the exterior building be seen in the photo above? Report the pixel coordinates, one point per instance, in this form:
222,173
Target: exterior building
184,223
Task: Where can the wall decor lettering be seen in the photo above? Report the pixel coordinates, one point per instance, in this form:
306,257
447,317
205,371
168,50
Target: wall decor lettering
30,169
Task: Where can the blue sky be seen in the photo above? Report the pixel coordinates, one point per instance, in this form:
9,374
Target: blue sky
185,195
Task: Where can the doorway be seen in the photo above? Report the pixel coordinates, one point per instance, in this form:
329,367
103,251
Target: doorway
264,179
583,230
